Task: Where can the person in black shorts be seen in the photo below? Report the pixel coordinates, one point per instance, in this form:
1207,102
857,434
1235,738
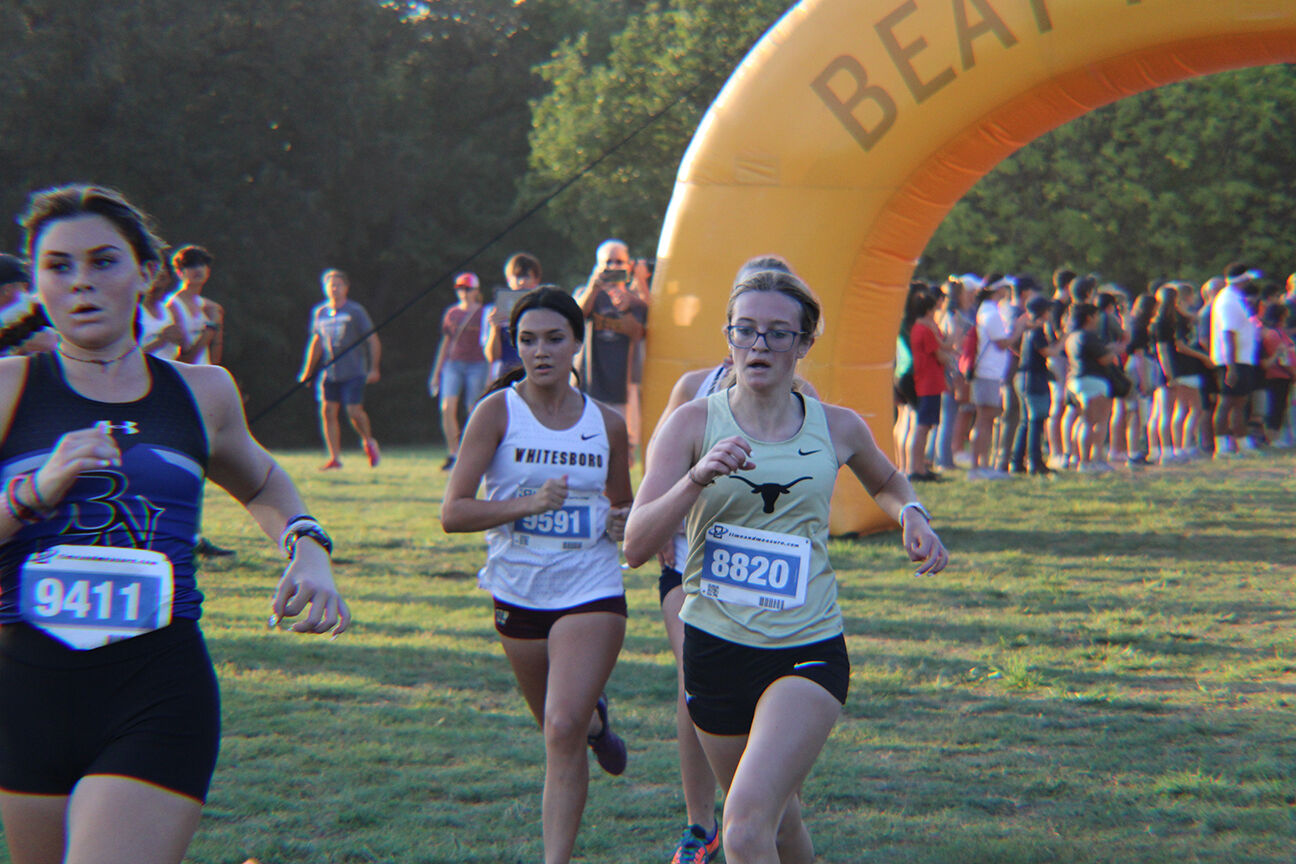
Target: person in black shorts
555,467
109,711
751,471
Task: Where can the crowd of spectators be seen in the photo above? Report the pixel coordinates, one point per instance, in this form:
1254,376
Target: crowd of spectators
475,348
1016,377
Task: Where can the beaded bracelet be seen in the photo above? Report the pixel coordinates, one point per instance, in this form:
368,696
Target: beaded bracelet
41,504
18,510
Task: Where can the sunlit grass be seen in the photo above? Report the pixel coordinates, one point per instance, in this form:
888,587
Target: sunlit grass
1103,674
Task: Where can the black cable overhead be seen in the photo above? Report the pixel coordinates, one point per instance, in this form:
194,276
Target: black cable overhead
463,264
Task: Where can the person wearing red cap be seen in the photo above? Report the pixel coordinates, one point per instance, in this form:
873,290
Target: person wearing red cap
459,374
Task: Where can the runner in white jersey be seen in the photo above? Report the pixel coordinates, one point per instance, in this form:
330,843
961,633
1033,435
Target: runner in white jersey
557,478
159,333
201,318
752,468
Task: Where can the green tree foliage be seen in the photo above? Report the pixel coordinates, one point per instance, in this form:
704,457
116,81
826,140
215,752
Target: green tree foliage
392,138
289,136
684,48
1173,183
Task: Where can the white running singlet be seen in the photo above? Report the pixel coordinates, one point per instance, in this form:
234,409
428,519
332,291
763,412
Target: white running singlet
563,557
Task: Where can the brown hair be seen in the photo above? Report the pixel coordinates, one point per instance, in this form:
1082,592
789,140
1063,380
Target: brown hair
68,202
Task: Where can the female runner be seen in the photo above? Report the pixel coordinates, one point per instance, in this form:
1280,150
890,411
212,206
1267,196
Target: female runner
556,466
109,712
752,468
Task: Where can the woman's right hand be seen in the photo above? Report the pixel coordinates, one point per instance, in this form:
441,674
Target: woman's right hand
550,496
75,453
727,456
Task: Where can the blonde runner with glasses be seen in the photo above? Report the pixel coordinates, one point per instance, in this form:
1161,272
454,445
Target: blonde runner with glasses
752,470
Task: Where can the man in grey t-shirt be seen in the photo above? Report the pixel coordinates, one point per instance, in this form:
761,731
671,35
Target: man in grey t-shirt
336,325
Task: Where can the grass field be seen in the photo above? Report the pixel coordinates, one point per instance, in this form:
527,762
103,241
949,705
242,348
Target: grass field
1103,674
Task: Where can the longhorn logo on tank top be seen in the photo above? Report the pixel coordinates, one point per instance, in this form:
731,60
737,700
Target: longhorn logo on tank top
769,492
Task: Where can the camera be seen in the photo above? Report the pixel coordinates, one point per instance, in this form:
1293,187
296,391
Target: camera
617,275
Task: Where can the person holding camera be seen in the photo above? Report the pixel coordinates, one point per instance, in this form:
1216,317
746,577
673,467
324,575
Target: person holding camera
615,319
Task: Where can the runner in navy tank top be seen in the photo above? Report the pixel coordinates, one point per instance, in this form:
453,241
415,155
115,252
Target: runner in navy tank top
752,468
556,466
109,712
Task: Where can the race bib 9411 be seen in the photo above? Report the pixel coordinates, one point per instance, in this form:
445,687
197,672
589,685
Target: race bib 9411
88,596
569,527
752,567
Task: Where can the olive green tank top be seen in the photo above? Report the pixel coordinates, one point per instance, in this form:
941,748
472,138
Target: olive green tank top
758,571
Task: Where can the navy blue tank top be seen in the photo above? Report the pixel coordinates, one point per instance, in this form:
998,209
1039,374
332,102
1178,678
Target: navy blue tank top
153,500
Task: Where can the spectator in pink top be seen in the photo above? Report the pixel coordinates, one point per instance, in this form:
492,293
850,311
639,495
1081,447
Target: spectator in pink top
459,374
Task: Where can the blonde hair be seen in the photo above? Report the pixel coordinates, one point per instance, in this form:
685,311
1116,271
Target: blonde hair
789,286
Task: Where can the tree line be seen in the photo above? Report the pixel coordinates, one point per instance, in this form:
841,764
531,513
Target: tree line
394,139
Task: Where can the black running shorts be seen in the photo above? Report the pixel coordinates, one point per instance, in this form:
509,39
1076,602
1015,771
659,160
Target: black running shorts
723,680
145,708
522,622
668,581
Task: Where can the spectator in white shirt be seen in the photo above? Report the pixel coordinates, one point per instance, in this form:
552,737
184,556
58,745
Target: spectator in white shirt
1234,344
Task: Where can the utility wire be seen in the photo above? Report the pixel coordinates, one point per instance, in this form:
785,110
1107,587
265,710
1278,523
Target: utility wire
643,126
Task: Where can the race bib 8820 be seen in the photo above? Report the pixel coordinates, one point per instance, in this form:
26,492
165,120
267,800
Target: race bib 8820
752,567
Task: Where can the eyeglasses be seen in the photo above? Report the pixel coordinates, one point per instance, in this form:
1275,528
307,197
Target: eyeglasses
743,336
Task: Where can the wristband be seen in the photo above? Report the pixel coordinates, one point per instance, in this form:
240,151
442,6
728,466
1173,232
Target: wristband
697,481
303,526
913,505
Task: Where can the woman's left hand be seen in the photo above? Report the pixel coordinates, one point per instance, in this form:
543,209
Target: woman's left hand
923,546
308,582
616,522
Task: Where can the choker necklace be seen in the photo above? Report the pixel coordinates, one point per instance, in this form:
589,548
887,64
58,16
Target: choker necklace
103,364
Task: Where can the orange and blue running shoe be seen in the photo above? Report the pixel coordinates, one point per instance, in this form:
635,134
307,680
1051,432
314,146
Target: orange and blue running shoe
696,846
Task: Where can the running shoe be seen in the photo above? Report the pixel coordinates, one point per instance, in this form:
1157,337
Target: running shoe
448,463
208,549
695,847
331,465
371,452
607,745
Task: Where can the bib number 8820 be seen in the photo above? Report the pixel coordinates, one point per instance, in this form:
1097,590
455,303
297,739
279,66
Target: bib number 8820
757,571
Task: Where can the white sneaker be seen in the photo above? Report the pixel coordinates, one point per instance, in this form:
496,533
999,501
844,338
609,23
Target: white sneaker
962,459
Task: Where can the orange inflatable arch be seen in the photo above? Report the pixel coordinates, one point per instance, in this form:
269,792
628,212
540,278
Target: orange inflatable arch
854,126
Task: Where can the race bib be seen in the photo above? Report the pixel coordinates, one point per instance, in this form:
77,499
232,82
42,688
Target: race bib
569,527
752,567
88,596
